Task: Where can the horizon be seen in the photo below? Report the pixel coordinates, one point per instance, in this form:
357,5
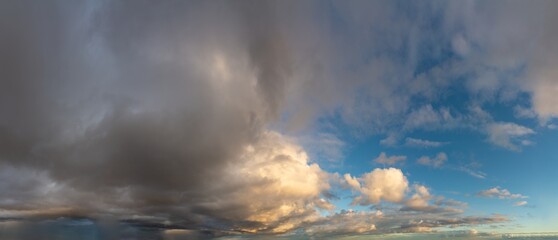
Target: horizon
278,119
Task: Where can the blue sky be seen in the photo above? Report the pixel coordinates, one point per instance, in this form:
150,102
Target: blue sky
278,119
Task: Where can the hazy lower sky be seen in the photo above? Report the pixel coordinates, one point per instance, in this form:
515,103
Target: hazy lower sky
169,119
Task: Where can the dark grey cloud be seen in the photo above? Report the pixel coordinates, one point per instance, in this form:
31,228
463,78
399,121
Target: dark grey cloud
143,109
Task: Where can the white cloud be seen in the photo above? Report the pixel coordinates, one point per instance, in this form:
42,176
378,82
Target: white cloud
389,160
352,182
436,162
500,193
388,184
278,184
507,135
520,203
420,199
414,142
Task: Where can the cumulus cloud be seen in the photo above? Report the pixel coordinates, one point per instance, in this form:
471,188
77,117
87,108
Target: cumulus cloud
420,199
352,182
389,160
500,193
387,184
423,201
435,162
508,135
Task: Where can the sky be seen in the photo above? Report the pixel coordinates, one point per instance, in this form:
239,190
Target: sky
277,119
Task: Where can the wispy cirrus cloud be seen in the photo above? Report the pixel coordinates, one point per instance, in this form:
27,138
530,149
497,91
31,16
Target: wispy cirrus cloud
423,143
508,135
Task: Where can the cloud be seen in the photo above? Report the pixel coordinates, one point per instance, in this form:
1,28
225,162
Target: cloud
422,143
352,182
521,112
387,184
326,147
520,203
472,172
427,117
378,222
390,140
420,199
423,201
344,222
545,87
428,225
507,135
164,110
391,160
272,188
500,193
152,111
435,162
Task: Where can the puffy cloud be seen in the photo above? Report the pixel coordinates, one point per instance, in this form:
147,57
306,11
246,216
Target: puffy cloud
388,184
423,201
508,134
280,189
420,199
391,160
352,182
500,193
436,162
